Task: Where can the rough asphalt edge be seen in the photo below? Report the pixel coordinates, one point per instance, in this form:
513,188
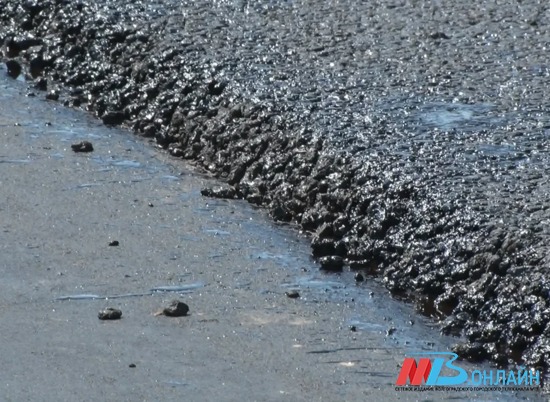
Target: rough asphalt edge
124,71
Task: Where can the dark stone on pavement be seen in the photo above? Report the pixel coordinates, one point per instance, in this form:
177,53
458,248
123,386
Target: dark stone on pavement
110,313
114,243
439,35
292,294
83,146
176,309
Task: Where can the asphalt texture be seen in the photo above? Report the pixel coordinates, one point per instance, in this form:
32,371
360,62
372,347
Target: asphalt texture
121,282
410,138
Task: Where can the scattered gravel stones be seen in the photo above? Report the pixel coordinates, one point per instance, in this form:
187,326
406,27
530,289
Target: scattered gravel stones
83,146
110,313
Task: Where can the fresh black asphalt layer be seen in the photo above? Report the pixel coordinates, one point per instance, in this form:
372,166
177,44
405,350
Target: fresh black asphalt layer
410,138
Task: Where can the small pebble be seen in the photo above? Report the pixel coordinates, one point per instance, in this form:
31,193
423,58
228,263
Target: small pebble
353,328
390,331
114,243
83,146
359,277
132,365
110,313
176,309
293,294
